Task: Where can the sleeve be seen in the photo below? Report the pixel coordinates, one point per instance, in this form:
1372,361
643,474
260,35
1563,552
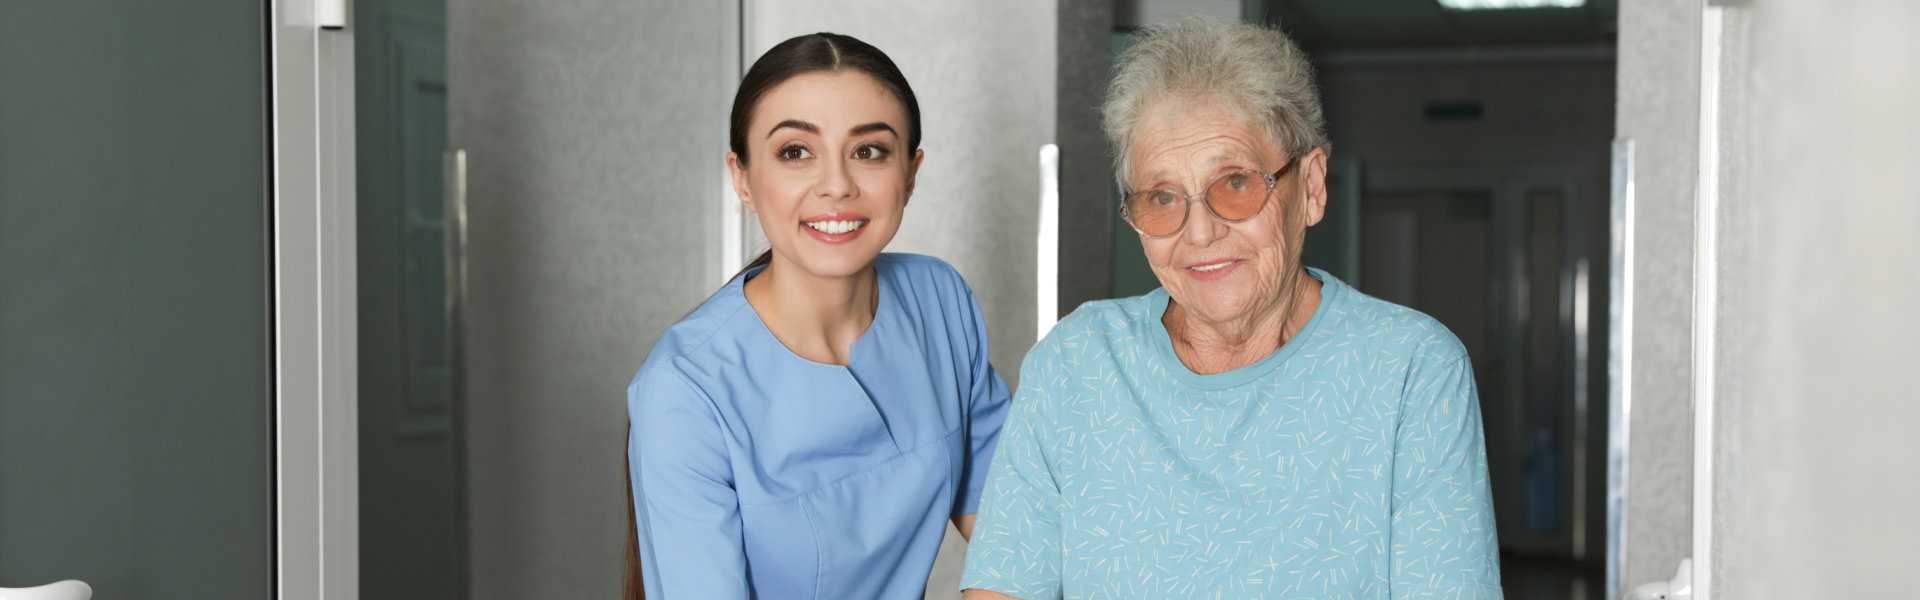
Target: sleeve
685,506
1016,547
1444,544
986,411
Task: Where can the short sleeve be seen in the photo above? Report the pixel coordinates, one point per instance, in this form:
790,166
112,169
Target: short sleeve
685,505
986,411
1444,543
1016,547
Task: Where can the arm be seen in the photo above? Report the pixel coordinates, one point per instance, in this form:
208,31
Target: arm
1016,547
686,509
986,412
1444,543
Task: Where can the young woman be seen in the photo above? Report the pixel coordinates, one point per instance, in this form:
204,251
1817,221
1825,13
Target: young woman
809,430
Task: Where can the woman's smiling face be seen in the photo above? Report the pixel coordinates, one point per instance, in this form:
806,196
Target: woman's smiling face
828,171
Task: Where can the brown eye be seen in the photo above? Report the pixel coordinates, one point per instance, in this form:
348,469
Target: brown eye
870,152
791,153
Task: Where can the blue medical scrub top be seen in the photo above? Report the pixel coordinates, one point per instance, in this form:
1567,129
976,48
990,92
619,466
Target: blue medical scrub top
761,474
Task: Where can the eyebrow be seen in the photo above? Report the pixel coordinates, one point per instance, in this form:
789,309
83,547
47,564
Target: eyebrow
815,129
800,125
873,127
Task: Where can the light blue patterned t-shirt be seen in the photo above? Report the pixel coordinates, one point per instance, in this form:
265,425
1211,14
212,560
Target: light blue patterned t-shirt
1350,463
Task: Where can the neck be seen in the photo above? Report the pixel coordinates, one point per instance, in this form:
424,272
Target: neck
1209,347
817,318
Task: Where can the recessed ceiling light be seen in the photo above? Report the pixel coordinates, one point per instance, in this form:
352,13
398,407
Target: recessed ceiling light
1503,4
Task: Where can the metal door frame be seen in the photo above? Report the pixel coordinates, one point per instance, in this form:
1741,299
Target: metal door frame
315,378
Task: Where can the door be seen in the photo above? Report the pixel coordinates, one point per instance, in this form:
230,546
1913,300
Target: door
137,376
412,515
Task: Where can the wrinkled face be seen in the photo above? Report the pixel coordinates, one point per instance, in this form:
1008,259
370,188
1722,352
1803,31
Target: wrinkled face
1219,271
828,171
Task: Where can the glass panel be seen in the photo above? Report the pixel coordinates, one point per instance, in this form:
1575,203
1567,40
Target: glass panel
135,379
410,509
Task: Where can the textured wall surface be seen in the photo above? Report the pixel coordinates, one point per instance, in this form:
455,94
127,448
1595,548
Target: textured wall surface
135,398
1659,109
595,132
1816,467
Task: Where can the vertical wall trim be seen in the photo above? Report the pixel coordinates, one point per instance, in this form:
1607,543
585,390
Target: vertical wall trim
1619,361
733,238
1047,266
315,353
1706,298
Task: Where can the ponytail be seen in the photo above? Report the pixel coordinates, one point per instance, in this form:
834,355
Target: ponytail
764,259
632,588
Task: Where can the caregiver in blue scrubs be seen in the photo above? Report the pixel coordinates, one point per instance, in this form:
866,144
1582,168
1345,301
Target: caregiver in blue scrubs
809,430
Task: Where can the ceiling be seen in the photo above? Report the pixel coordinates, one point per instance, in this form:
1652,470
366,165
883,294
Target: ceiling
1320,25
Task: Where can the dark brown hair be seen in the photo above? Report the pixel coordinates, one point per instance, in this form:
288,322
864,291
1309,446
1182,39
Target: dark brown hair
830,52
813,53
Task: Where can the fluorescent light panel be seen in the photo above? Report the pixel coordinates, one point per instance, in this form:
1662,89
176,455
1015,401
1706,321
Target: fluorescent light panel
1506,4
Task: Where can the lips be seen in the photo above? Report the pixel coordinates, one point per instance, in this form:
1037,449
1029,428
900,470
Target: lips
1214,270
835,227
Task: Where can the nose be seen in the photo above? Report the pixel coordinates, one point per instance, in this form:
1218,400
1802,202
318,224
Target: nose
1203,227
835,181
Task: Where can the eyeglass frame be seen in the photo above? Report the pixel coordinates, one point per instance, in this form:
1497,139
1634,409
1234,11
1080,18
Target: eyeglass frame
1272,179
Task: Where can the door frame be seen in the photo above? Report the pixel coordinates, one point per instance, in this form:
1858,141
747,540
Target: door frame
315,378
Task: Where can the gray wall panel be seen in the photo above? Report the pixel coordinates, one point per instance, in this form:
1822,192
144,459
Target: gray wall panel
595,133
1088,199
134,362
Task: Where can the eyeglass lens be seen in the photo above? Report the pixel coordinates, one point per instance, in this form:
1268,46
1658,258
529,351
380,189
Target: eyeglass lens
1235,196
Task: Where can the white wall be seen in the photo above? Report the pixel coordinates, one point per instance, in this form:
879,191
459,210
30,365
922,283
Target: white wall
1816,470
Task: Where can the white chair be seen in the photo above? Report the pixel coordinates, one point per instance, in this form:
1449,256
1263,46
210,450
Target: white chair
71,589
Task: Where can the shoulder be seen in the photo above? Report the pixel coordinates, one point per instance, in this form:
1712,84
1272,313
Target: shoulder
1397,329
691,340
1098,329
919,271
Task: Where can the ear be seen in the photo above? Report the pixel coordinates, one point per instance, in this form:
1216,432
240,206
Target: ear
913,172
739,172
1313,171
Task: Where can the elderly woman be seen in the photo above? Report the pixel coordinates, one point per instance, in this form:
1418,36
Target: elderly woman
1254,428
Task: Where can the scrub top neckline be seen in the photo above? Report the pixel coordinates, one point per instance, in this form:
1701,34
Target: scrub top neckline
738,288
1331,291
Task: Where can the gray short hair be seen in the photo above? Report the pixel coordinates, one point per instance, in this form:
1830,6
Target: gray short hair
1256,74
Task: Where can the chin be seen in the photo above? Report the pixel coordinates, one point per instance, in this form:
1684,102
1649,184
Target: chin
837,264
1220,305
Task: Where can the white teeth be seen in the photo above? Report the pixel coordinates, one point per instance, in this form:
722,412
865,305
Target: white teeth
836,227
1212,267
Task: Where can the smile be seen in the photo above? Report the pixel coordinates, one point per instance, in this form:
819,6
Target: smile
836,227
1214,270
